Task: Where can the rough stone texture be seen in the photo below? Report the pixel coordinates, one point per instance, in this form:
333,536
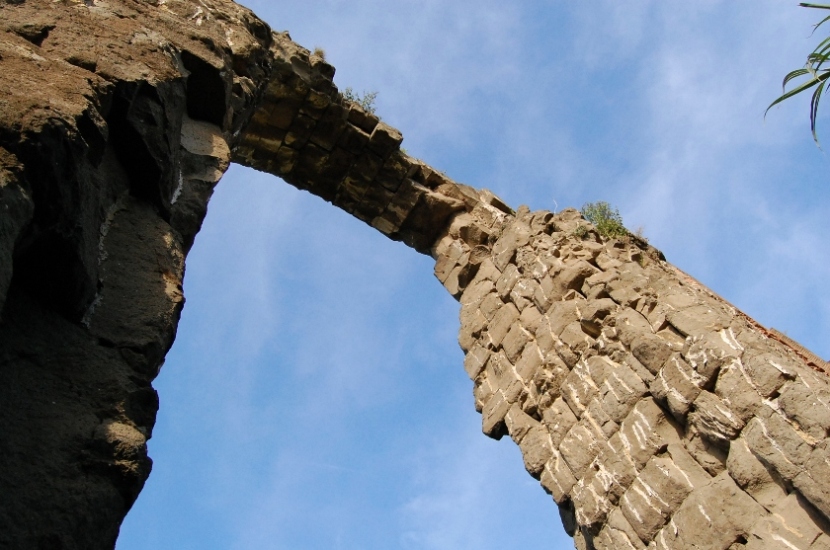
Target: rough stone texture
655,413
116,121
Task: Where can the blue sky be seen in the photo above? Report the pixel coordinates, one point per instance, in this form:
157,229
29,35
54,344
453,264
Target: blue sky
315,396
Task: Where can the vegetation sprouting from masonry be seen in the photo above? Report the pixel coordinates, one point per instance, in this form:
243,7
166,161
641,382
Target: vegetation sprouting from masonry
607,220
365,100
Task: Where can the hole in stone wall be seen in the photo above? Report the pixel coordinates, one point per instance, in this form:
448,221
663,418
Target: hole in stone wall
206,91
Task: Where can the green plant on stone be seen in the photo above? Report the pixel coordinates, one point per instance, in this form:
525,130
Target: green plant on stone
365,100
607,220
580,231
319,52
814,70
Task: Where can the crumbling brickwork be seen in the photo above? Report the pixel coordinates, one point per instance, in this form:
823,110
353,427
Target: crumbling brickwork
655,413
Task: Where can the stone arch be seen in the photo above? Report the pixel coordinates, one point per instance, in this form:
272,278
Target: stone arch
654,412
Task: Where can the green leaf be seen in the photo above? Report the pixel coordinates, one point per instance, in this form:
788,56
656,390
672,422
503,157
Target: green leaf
814,110
795,91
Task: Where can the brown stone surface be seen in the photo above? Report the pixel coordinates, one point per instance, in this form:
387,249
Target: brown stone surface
655,413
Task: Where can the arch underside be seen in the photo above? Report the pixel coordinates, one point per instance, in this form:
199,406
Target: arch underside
654,412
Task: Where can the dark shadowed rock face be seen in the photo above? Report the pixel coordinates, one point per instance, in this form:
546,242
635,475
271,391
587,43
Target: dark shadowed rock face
655,413
115,124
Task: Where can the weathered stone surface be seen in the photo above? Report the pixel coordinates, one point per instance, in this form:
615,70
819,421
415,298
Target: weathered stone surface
627,385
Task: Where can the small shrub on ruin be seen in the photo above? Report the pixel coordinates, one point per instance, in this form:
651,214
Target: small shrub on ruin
607,220
365,100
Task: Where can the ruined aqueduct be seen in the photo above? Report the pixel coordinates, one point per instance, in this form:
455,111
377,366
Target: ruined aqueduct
654,413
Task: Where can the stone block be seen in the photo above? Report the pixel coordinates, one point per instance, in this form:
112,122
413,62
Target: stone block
630,325
645,430
714,420
554,322
734,387
536,450
476,291
530,319
814,481
558,419
581,446
599,418
654,496
620,391
768,371
522,293
509,277
475,360
773,440
353,139
490,304
530,363
557,478
789,527
676,386
652,351
492,416
712,517
590,497
617,534
514,342
753,477
579,388
574,337
501,323
698,320
384,139
711,457
807,407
